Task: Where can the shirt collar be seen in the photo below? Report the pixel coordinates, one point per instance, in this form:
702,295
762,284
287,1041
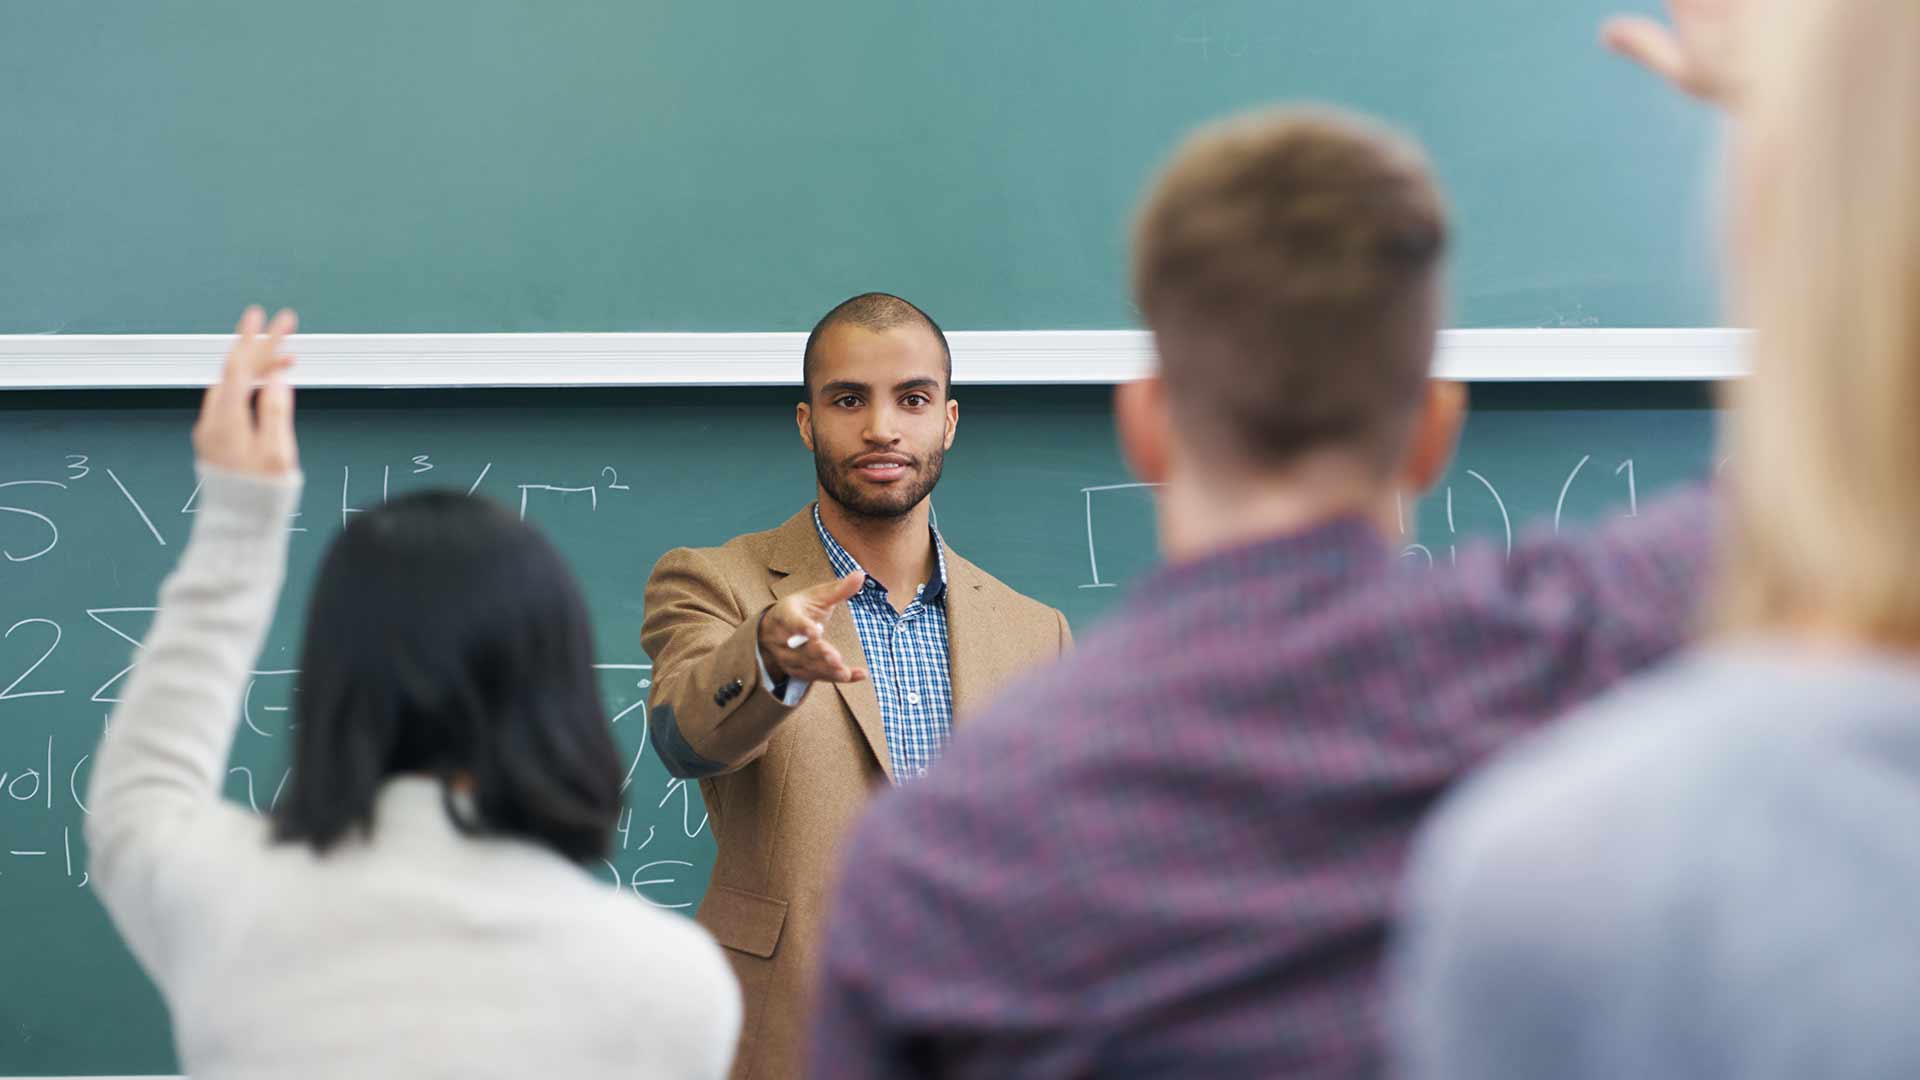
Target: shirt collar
844,563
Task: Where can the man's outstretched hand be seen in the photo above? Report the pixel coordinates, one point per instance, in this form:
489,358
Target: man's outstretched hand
793,634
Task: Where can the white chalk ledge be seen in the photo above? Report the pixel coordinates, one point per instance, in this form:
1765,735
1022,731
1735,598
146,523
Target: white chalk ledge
1061,357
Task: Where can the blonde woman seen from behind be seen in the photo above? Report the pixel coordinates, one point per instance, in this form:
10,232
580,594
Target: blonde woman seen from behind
417,905
1713,874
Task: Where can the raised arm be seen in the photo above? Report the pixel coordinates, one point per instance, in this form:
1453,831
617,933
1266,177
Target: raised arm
161,765
1697,52
1596,603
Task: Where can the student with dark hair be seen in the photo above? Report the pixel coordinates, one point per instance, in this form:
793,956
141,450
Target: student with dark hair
409,667
417,906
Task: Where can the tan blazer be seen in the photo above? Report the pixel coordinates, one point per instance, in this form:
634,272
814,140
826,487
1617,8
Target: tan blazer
782,786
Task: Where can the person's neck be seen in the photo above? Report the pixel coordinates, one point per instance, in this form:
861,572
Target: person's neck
1830,634
896,551
1205,510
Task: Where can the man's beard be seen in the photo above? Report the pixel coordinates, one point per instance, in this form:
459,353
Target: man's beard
886,504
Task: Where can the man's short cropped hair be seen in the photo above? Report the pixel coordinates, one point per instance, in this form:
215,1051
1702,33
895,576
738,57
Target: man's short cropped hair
1289,263
875,311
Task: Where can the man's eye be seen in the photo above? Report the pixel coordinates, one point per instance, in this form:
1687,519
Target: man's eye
914,401
847,401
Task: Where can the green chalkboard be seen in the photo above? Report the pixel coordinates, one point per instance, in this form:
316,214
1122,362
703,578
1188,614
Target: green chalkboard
512,165
96,498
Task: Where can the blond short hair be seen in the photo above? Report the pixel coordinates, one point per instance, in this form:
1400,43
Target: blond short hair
1825,435
1289,264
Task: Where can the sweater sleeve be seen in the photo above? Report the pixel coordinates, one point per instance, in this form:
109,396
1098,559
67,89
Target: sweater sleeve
160,768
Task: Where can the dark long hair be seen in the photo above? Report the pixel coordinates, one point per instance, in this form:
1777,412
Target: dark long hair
447,638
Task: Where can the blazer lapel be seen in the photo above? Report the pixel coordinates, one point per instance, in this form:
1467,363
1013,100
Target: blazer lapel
978,660
802,563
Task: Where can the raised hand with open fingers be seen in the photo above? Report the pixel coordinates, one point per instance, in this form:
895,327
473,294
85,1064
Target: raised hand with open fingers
793,634
239,430
1698,54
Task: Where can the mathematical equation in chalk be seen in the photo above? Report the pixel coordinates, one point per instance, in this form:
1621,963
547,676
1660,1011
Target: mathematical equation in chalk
40,797
32,504
1619,482
63,669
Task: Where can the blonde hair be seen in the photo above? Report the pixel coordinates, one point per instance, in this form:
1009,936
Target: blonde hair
1825,436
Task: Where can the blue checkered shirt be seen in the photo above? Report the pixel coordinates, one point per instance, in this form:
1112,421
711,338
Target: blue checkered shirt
906,658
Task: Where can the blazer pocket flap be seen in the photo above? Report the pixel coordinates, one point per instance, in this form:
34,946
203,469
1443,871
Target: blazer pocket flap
744,921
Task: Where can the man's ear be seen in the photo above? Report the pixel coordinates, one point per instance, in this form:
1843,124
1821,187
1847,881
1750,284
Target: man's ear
953,422
1144,425
1436,431
803,418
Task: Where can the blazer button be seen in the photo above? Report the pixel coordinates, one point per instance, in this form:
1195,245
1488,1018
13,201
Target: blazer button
719,697
735,687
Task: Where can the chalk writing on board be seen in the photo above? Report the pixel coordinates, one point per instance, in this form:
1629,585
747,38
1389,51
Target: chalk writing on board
1476,489
623,829
638,884
137,508
249,711
1506,520
656,877
679,787
1093,553
73,780
244,773
42,790
66,842
1633,491
638,753
641,683
1560,506
1629,493
41,775
592,492
99,615
52,530
346,484
247,774
35,665
13,690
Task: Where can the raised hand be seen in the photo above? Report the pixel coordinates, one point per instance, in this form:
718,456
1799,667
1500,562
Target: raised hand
237,432
1698,54
793,634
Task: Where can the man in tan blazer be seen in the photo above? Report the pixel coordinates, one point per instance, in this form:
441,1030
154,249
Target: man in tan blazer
740,634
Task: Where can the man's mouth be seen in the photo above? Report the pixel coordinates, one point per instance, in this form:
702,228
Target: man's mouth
882,468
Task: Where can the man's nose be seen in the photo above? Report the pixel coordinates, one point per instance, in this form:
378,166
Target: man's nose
882,428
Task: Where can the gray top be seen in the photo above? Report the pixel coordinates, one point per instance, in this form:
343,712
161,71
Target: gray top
414,951
1713,873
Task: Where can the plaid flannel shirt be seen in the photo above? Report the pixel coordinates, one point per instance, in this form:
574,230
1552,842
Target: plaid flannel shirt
1176,853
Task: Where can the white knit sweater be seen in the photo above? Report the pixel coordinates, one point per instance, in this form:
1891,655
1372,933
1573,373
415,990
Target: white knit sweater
419,952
